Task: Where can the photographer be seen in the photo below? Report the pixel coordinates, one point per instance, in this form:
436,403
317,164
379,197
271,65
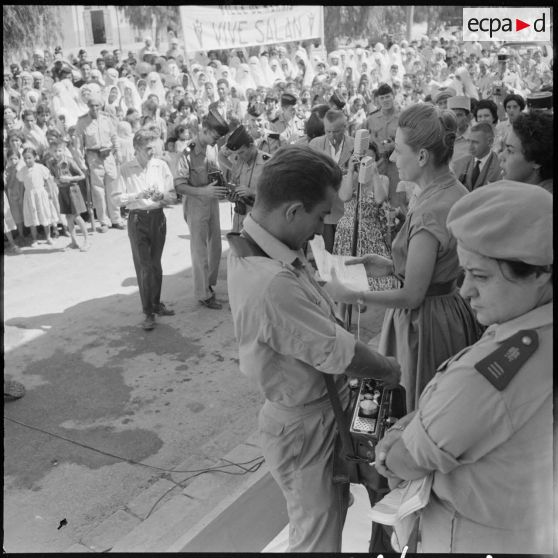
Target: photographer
246,163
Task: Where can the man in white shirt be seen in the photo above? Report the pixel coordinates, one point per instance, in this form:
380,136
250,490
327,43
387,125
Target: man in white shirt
145,187
339,146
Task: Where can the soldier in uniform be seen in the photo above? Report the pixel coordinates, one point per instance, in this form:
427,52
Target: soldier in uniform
461,107
382,126
255,124
201,205
96,133
484,425
246,163
289,127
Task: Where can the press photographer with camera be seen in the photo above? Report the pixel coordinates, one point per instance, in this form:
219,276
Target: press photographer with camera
201,206
246,163
145,187
483,428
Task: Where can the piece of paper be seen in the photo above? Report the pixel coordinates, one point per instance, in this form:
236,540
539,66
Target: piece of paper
352,276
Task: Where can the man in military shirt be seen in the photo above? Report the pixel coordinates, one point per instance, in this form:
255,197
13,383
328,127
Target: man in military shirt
201,206
246,163
461,107
96,133
255,125
289,127
382,126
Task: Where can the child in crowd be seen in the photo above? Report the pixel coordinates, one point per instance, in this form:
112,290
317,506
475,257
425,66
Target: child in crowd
37,203
14,189
9,226
67,175
182,137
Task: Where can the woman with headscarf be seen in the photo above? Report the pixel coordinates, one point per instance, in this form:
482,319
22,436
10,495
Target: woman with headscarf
31,99
112,100
287,68
155,87
244,79
382,61
111,77
129,96
256,71
63,99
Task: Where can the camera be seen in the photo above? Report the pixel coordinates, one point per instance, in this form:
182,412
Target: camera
217,176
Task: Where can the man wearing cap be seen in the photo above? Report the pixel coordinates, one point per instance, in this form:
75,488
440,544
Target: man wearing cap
382,126
255,124
483,165
145,187
461,107
96,134
288,125
489,408
338,145
245,162
201,197
540,101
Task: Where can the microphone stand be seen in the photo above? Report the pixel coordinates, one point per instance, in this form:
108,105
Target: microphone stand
349,311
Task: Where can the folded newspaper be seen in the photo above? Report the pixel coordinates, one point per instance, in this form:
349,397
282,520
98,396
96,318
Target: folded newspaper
352,276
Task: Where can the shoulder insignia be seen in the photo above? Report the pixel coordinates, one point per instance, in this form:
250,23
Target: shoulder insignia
500,367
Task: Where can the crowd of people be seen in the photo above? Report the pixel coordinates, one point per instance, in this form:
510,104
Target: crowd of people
276,135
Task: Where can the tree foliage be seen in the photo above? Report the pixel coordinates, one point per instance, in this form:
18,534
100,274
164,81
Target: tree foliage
162,17
30,26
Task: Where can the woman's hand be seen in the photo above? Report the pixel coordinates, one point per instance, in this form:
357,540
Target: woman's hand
375,265
339,292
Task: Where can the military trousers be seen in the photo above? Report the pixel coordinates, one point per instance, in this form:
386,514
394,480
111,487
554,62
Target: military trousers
298,444
103,176
202,217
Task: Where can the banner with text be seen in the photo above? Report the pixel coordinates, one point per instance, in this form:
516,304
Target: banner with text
234,26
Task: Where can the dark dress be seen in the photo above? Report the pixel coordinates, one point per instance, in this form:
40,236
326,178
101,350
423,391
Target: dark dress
423,338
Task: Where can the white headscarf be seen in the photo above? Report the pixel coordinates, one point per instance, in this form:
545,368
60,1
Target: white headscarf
63,99
130,99
469,88
155,87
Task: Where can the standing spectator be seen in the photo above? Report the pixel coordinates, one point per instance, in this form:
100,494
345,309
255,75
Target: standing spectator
461,107
338,145
14,189
145,187
288,125
37,198
97,135
382,126
226,106
32,134
483,165
201,206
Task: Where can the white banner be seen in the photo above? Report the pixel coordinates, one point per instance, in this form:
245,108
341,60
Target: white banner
236,26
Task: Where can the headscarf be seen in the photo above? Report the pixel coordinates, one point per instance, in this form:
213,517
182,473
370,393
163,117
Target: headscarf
31,99
267,73
256,71
275,67
155,87
63,100
130,99
469,89
125,140
244,78
111,107
97,77
111,77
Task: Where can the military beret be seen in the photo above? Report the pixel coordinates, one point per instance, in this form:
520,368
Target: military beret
216,122
459,102
288,99
539,100
337,100
255,110
238,138
444,94
506,220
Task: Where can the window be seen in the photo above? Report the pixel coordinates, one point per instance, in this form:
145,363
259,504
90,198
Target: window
98,26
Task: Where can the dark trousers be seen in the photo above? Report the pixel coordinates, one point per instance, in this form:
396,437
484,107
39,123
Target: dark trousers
329,237
147,231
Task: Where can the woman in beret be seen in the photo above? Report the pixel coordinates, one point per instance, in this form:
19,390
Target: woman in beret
426,321
528,154
483,429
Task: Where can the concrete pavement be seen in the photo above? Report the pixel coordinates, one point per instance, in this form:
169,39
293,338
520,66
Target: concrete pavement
103,396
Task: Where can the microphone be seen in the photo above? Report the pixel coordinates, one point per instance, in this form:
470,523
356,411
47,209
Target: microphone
362,140
366,170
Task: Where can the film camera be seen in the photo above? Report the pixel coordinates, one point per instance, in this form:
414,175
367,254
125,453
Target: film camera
374,410
240,202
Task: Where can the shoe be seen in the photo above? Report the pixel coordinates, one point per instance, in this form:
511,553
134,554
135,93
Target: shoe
104,228
149,322
55,233
162,310
211,303
71,246
119,226
64,232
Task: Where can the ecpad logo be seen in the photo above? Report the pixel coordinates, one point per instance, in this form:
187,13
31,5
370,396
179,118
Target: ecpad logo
506,24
